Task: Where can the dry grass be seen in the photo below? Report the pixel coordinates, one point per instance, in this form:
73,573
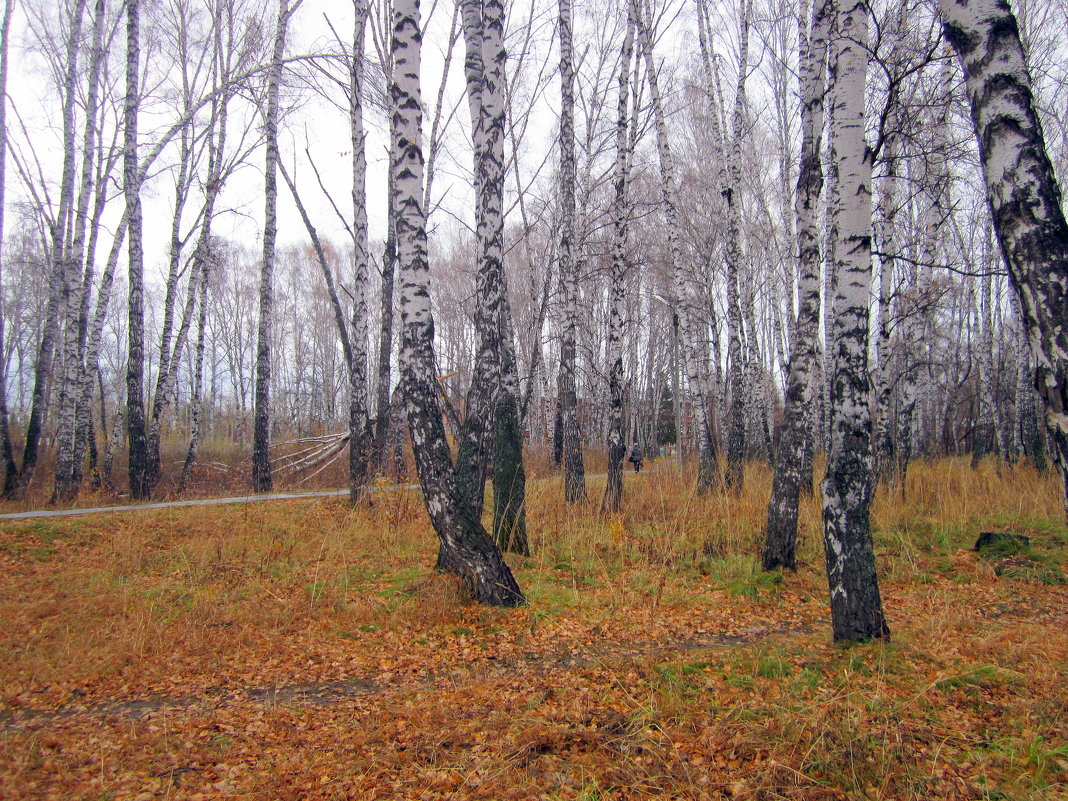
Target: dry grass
293,650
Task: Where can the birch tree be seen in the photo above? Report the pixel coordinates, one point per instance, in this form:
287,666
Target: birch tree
856,606
617,449
669,203
7,454
732,192
135,403
794,436
261,436
1024,196
574,469
359,425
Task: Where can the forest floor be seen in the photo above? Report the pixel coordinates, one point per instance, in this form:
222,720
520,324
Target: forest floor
305,649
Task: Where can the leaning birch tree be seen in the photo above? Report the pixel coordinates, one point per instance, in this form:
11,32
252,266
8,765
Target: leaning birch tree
1025,199
669,204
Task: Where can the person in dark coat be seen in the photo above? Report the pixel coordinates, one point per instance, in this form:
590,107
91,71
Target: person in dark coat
636,457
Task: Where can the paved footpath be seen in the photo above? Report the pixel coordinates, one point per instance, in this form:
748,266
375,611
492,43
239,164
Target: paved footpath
137,507
268,496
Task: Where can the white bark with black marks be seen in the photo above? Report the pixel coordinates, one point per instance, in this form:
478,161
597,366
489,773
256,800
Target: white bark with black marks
472,554
856,606
780,543
735,474
131,179
1024,196
617,448
574,468
261,432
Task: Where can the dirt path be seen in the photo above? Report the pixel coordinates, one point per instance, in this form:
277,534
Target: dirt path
325,693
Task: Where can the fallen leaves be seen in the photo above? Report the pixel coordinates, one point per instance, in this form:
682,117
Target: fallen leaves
162,659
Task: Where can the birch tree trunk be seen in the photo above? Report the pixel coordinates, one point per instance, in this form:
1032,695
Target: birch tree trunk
509,474
60,281
1024,196
196,401
202,254
7,454
474,557
780,543
474,435
617,449
735,475
359,424
856,606
68,473
1028,435
261,432
140,487
383,373
683,323
986,433
883,458
574,469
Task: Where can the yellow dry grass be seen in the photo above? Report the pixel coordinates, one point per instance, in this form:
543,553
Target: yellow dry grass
307,650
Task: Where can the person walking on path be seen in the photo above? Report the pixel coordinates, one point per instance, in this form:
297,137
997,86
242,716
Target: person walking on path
636,457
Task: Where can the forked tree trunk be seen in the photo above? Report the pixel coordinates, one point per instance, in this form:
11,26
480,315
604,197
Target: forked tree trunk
196,401
617,449
856,606
472,553
780,542
202,255
574,468
1024,196
60,285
